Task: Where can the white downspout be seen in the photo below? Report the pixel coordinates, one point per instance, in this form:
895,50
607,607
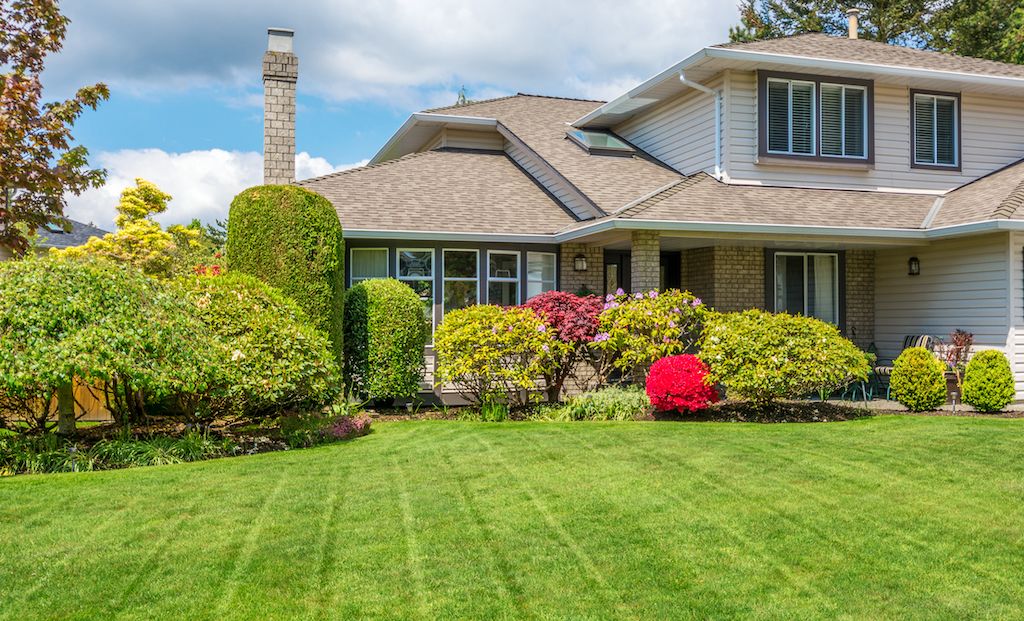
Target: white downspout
718,119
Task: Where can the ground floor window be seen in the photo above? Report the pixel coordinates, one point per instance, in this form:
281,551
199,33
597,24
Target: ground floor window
540,273
807,283
461,285
416,269
502,277
366,263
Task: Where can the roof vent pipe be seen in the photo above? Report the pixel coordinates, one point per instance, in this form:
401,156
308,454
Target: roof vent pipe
852,18
718,119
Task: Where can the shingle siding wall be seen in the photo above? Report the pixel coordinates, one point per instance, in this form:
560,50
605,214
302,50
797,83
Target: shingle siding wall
860,296
592,279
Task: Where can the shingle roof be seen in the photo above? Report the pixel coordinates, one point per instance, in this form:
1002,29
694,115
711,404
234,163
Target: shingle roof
80,233
817,45
541,122
702,198
997,195
451,190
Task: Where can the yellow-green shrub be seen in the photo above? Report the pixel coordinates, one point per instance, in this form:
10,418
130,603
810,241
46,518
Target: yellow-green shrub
988,381
291,238
490,353
918,380
385,333
764,357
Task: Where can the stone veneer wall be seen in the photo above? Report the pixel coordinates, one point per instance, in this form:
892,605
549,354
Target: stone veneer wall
729,278
860,296
592,279
280,72
645,260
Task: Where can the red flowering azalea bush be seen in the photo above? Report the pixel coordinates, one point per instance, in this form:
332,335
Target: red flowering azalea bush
680,383
573,320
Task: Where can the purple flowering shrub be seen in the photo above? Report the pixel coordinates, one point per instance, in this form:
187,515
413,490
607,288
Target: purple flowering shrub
348,426
313,428
639,328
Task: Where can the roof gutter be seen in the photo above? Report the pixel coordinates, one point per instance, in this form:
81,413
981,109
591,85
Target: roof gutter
428,117
717,95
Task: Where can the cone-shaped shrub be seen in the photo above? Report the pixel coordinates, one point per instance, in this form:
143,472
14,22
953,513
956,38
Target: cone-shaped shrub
385,333
988,381
291,238
919,380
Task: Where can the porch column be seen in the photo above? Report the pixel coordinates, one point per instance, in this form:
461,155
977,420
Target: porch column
645,260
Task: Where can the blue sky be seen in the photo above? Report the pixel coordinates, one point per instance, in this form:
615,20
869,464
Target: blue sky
186,104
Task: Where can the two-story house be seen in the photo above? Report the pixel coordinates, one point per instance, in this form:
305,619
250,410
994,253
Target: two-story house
877,187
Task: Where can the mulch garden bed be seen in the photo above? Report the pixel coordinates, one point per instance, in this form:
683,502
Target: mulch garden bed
782,412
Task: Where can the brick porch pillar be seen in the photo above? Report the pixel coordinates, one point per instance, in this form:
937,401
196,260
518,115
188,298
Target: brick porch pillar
645,260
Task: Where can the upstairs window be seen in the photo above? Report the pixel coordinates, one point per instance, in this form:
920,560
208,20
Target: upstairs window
790,117
814,117
936,130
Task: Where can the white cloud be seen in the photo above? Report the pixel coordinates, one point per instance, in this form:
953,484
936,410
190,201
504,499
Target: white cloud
397,51
201,182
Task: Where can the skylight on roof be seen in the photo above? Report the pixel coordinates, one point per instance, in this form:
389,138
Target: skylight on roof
599,142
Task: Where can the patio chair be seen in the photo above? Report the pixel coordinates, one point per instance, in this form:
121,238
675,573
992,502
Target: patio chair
885,371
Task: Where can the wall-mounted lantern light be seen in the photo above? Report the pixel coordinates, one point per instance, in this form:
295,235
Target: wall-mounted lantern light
579,263
913,266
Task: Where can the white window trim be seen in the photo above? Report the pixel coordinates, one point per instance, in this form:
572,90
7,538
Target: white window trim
352,278
789,118
935,130
433,279
842,120
775,271
519,274
553,281
445,279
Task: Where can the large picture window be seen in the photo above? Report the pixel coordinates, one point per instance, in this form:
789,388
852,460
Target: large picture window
936,130
461,279
814,117
366,263
540,273
416,269
807,284
502,278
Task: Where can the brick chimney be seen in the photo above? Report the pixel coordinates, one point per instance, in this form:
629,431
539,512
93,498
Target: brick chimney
280,72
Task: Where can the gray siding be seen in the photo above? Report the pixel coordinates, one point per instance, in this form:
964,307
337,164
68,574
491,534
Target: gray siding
963,285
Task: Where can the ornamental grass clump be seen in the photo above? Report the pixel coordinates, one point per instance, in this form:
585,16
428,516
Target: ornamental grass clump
988,381
639,328
765,357
574,321
385,333
681,384
492,354
918,380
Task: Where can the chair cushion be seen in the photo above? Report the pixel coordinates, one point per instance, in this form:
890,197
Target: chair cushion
883,370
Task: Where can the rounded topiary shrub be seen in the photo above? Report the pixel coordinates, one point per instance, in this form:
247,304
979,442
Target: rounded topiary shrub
680,384
385,333
271,358
291,238
918,380
988,381
764,357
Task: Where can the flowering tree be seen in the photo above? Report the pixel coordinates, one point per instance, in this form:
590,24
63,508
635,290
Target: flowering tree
573,321
681,384
38,165
639,328
141,241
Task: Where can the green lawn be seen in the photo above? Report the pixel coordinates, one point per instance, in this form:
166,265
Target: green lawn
892,517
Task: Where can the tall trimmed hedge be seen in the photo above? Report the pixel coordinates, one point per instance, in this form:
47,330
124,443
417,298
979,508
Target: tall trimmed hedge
385,333
291,238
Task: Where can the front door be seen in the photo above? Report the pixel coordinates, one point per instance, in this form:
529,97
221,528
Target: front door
616,271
